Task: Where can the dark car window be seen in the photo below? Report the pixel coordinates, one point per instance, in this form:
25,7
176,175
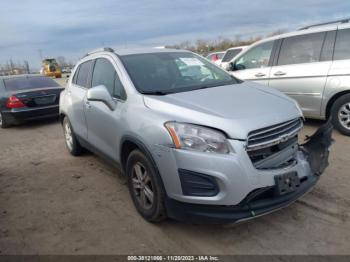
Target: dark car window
29,82
76,75
230,54
328,46
342,45
301,49
105,74
83,74
257,57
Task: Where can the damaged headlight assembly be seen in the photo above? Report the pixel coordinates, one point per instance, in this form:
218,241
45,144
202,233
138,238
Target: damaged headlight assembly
197,138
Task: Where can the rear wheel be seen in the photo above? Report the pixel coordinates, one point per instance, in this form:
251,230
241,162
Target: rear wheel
3,121
71,141
145,187
340,113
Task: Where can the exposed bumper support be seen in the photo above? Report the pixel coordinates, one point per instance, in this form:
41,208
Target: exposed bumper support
316,148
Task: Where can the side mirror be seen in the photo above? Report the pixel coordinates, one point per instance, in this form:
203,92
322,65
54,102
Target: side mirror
230,67
101,94
235,67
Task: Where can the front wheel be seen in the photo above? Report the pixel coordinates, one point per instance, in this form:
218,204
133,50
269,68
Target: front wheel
71,141
145,187
340,114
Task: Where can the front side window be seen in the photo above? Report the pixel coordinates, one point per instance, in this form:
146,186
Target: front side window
342,45
74,81
172,72
301,49
105,74
230,54
257,57
83,74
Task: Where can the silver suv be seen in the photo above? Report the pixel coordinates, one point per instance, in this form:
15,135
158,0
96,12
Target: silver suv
311,65
194,142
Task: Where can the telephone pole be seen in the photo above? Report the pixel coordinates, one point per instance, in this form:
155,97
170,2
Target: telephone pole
40,54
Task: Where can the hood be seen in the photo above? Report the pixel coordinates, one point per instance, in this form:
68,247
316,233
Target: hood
235,109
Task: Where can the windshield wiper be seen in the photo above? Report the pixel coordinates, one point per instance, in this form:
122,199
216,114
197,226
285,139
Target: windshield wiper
156,93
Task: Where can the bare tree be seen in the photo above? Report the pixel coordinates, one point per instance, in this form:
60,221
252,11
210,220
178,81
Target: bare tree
221,44
61,60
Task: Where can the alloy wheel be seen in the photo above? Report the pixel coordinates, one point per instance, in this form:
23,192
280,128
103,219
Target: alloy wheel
142,186
344,116
68,136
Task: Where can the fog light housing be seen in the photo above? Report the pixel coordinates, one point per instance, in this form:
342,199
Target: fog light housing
197,184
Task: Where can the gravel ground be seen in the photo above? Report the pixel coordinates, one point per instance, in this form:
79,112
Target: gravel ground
53,203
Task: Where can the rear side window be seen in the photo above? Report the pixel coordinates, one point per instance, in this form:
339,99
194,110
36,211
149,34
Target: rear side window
328,46
342,45
230,54
29,82
301,49
83,74
105,74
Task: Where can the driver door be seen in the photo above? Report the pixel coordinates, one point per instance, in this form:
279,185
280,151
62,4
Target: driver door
104,123
255,64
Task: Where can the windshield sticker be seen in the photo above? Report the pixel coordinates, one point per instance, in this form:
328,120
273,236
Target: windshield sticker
191,61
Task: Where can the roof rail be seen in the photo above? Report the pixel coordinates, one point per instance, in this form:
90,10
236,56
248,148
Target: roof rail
341,21
103,49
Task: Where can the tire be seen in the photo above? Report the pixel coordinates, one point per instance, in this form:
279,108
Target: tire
70,139
340,113
3,121
144,182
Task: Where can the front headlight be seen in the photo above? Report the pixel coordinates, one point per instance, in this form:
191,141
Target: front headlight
198,138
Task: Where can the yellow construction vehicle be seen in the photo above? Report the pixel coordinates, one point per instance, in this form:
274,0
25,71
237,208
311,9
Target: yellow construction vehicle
50,67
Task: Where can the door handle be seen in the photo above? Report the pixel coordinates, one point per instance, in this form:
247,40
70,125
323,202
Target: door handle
260,75
87,104
279,73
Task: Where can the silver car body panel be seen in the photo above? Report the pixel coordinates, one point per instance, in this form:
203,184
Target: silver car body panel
236,110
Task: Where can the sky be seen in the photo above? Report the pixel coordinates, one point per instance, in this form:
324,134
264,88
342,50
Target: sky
71,28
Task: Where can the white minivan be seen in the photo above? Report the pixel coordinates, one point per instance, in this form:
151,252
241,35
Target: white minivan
311,65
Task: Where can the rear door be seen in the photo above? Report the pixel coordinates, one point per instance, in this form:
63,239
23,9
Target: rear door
77,91
255,64
104,123
339,74
301,69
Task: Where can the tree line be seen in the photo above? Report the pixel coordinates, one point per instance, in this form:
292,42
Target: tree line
221,44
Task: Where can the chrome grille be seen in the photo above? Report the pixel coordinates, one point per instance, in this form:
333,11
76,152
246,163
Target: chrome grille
273,135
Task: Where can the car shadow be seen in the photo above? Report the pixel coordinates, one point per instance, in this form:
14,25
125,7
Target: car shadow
36,123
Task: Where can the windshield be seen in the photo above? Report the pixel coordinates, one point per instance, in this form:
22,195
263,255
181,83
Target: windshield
172,72
230,54
28,82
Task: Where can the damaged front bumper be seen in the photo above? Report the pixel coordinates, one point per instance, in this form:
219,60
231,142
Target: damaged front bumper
316,148
312,156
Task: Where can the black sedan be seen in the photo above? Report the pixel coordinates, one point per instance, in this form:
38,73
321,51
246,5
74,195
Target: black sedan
27,97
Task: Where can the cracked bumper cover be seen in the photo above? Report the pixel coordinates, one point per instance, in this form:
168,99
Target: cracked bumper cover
262,200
